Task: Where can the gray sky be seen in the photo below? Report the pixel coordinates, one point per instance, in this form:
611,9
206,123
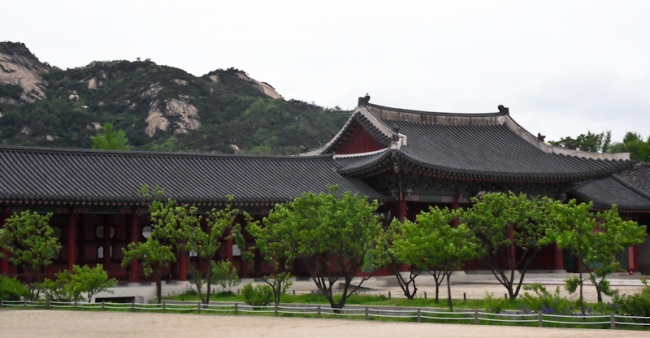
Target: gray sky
563,67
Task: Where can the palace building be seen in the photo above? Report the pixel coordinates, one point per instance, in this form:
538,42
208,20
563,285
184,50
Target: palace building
408,160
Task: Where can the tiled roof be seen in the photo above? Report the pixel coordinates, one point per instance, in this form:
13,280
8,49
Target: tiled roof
613,190
477,147
47,174
638,177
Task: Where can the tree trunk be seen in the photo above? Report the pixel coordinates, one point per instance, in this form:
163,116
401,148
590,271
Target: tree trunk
209,281
451,306
158,284
582,302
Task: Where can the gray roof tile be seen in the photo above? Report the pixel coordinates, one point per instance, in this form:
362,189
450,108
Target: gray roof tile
116,176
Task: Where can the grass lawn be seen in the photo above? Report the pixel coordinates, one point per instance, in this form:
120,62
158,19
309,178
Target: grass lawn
358,299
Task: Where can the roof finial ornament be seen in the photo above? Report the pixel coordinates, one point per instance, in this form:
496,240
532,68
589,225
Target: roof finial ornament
395,137
541,137
504,110
363,101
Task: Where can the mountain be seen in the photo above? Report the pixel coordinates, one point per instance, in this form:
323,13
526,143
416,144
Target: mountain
160,108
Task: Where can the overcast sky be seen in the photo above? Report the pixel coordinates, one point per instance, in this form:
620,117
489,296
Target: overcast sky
563,67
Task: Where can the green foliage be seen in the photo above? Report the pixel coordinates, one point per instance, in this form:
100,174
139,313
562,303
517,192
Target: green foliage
28,239
224,275
636,304
152,255
634,144
83,280
541,300
180,226
595,239
431,243
331,233
595,143
232,110
12,288
110,139
492,304
396,256
260,295
11,91
503,221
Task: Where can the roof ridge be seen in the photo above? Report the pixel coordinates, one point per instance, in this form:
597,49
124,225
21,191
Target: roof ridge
140,153
503,117
630,186
412,111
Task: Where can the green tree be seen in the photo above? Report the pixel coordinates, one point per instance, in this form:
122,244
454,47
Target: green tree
432,243
275,249
595,143
333,234
110,139
83,280
181,226
396,257
634,144
595,239
224,275
504,222
152,255
28,239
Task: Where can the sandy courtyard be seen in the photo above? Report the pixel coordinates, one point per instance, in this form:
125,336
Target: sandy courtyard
42,323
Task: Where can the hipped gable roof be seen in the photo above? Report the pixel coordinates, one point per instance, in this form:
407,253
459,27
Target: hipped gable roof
490,146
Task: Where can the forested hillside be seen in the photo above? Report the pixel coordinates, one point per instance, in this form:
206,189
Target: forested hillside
158,107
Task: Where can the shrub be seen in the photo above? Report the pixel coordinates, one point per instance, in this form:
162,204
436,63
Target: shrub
637,304
12,289
260,295
224,275
494,305
546,302
73,286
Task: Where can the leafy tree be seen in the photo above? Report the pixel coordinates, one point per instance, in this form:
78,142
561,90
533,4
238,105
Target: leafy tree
181,226
432,243
152,255
28,239
70,286
276,251
595,143
224,275
595,239
396,257
634,144
332,233
110,139
504,222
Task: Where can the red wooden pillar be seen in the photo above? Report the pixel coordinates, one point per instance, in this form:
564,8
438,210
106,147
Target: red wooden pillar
135,238
558,258
182,267
632,263
4,265
455,221
73,218
107,243
402,210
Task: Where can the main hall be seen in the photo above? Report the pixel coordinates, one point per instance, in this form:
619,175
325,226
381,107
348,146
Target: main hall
408,160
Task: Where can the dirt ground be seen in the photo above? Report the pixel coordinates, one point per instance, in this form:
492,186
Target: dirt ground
35,323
